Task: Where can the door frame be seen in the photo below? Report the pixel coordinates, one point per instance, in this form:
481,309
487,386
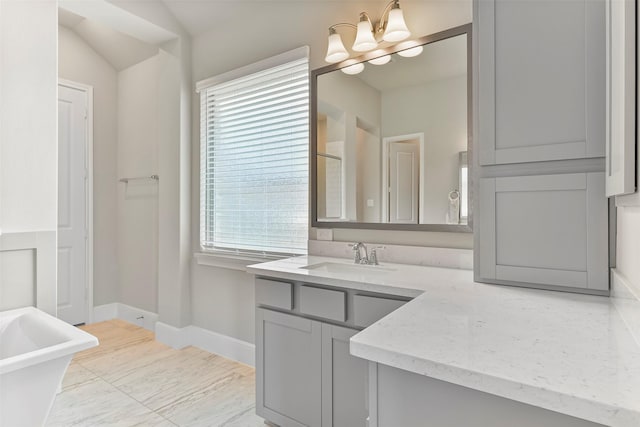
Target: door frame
89,195
385,173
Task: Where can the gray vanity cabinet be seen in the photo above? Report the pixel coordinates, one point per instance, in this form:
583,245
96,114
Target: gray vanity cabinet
288,362
344,380
305,374
406,399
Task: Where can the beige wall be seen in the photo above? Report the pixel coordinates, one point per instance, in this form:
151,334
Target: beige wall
138,200
28,116
628,244
222,299
28,153
78,62
628,224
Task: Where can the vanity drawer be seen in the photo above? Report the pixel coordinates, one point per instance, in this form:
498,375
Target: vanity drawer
274,293
368,310
326,303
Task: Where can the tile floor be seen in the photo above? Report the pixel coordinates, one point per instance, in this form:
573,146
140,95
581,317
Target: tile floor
132,380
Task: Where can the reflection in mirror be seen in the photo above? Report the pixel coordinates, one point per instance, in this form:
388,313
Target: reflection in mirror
391,141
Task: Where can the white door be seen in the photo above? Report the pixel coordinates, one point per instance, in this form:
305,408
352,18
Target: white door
404,172
72,196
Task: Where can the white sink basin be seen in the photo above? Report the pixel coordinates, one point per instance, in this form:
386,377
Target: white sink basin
336,267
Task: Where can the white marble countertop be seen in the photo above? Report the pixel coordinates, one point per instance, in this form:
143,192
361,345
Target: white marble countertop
563,352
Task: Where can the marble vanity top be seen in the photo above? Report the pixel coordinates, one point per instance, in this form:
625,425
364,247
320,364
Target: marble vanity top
563,352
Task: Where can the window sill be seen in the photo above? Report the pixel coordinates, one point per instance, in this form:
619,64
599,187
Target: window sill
233,261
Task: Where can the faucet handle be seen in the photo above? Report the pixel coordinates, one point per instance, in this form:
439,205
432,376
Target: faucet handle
373,257
356,251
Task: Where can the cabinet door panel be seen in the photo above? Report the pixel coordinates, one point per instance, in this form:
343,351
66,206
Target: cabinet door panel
288,354
344,380
549,230
541,80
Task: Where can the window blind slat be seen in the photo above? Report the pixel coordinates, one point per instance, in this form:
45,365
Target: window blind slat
254,134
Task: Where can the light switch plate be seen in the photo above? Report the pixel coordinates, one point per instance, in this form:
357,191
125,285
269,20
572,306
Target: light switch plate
324,234
370,203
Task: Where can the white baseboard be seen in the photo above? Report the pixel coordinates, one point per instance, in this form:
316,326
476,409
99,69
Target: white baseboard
225,346
116,310
143,318
105,312
213,342
173,337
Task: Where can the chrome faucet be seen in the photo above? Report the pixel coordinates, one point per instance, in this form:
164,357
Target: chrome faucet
357,253
367,259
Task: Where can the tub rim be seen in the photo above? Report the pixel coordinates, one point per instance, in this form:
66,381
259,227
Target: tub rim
78,340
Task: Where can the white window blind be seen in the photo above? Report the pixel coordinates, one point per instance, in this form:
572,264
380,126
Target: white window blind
254,161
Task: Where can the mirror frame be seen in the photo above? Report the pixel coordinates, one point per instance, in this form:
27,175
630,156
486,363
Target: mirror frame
459,228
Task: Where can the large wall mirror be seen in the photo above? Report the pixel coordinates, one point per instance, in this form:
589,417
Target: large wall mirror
391,145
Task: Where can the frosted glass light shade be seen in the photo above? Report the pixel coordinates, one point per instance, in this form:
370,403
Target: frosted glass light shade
396,28
353,69
364,37
380,61
410,53
336,51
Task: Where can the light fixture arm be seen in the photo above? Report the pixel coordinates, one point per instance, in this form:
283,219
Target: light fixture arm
381,25
332,29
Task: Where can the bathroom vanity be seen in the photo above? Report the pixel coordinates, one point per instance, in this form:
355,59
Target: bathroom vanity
340,344
305,373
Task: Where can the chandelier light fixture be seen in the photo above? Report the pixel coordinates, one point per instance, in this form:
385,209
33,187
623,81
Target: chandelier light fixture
390,28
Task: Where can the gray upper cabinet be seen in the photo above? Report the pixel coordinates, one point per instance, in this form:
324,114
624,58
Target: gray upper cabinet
546,230
540,116
541,78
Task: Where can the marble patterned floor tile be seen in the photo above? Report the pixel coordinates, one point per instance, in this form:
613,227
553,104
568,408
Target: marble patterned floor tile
113,339
247,418
116,364
133,380
97,403
182,373
228,402
76,375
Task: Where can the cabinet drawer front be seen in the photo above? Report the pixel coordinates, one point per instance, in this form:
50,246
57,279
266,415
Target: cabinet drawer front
368,310
325,303
274,294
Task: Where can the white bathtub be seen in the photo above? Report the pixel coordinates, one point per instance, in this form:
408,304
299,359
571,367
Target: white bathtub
35,351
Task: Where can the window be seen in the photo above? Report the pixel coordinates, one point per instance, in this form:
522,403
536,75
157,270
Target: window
254,164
